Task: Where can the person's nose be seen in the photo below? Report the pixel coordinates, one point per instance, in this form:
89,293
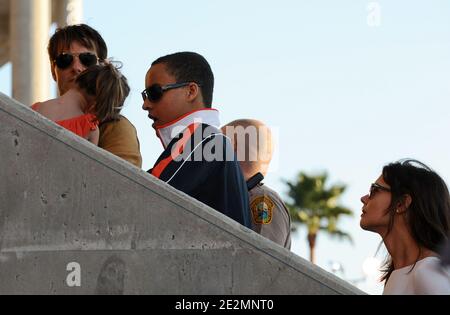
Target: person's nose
77,66
364,199
146,105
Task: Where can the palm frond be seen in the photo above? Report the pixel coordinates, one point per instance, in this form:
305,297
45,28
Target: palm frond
315,206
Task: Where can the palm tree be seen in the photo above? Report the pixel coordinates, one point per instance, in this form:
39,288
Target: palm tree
316,207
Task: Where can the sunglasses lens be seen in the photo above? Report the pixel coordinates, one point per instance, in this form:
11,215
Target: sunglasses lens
88,59
373,190
63,61
154,93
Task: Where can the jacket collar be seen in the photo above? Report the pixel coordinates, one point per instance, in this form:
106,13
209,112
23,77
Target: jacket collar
207,116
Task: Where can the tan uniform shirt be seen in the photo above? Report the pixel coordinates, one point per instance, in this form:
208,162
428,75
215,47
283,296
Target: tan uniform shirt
120,138
270,215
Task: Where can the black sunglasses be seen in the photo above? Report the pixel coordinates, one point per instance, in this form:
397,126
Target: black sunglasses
155,92
64,60
374,188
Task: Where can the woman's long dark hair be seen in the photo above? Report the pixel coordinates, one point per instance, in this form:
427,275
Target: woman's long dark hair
428,215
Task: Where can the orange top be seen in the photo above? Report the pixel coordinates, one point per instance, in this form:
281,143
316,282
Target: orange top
80,125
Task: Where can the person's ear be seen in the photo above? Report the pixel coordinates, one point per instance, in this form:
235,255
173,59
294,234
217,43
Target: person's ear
404,205
193,92
52,67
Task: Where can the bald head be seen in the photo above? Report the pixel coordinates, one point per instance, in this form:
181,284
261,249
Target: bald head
252,142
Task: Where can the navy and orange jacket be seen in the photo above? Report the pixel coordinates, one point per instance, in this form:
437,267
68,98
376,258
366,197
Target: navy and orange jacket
199,160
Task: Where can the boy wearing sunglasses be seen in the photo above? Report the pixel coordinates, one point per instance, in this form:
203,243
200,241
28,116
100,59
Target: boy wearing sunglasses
196,160
72,50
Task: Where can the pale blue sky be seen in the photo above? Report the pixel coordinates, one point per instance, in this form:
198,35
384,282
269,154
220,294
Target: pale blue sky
342,96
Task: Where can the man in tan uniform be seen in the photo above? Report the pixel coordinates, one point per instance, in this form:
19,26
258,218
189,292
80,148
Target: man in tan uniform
72,50
252,141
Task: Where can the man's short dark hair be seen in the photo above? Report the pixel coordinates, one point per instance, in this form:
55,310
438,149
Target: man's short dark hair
81,33
191,67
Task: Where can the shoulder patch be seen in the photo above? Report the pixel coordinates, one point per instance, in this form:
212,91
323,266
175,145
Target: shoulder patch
262,210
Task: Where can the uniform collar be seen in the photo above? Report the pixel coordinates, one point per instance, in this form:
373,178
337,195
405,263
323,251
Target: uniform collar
207,116
255,181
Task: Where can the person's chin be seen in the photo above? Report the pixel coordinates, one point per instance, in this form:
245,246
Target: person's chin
66,87
156,124
63,89
361,224
366,226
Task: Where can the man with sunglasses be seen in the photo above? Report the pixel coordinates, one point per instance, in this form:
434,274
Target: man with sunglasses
196,160
72,50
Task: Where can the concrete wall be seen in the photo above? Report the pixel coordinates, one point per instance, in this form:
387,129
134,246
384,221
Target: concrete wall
63,201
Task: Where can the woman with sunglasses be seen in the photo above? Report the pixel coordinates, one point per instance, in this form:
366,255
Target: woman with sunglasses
98,96
409,207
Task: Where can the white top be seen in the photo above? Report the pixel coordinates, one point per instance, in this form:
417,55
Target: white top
427,278
172,129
